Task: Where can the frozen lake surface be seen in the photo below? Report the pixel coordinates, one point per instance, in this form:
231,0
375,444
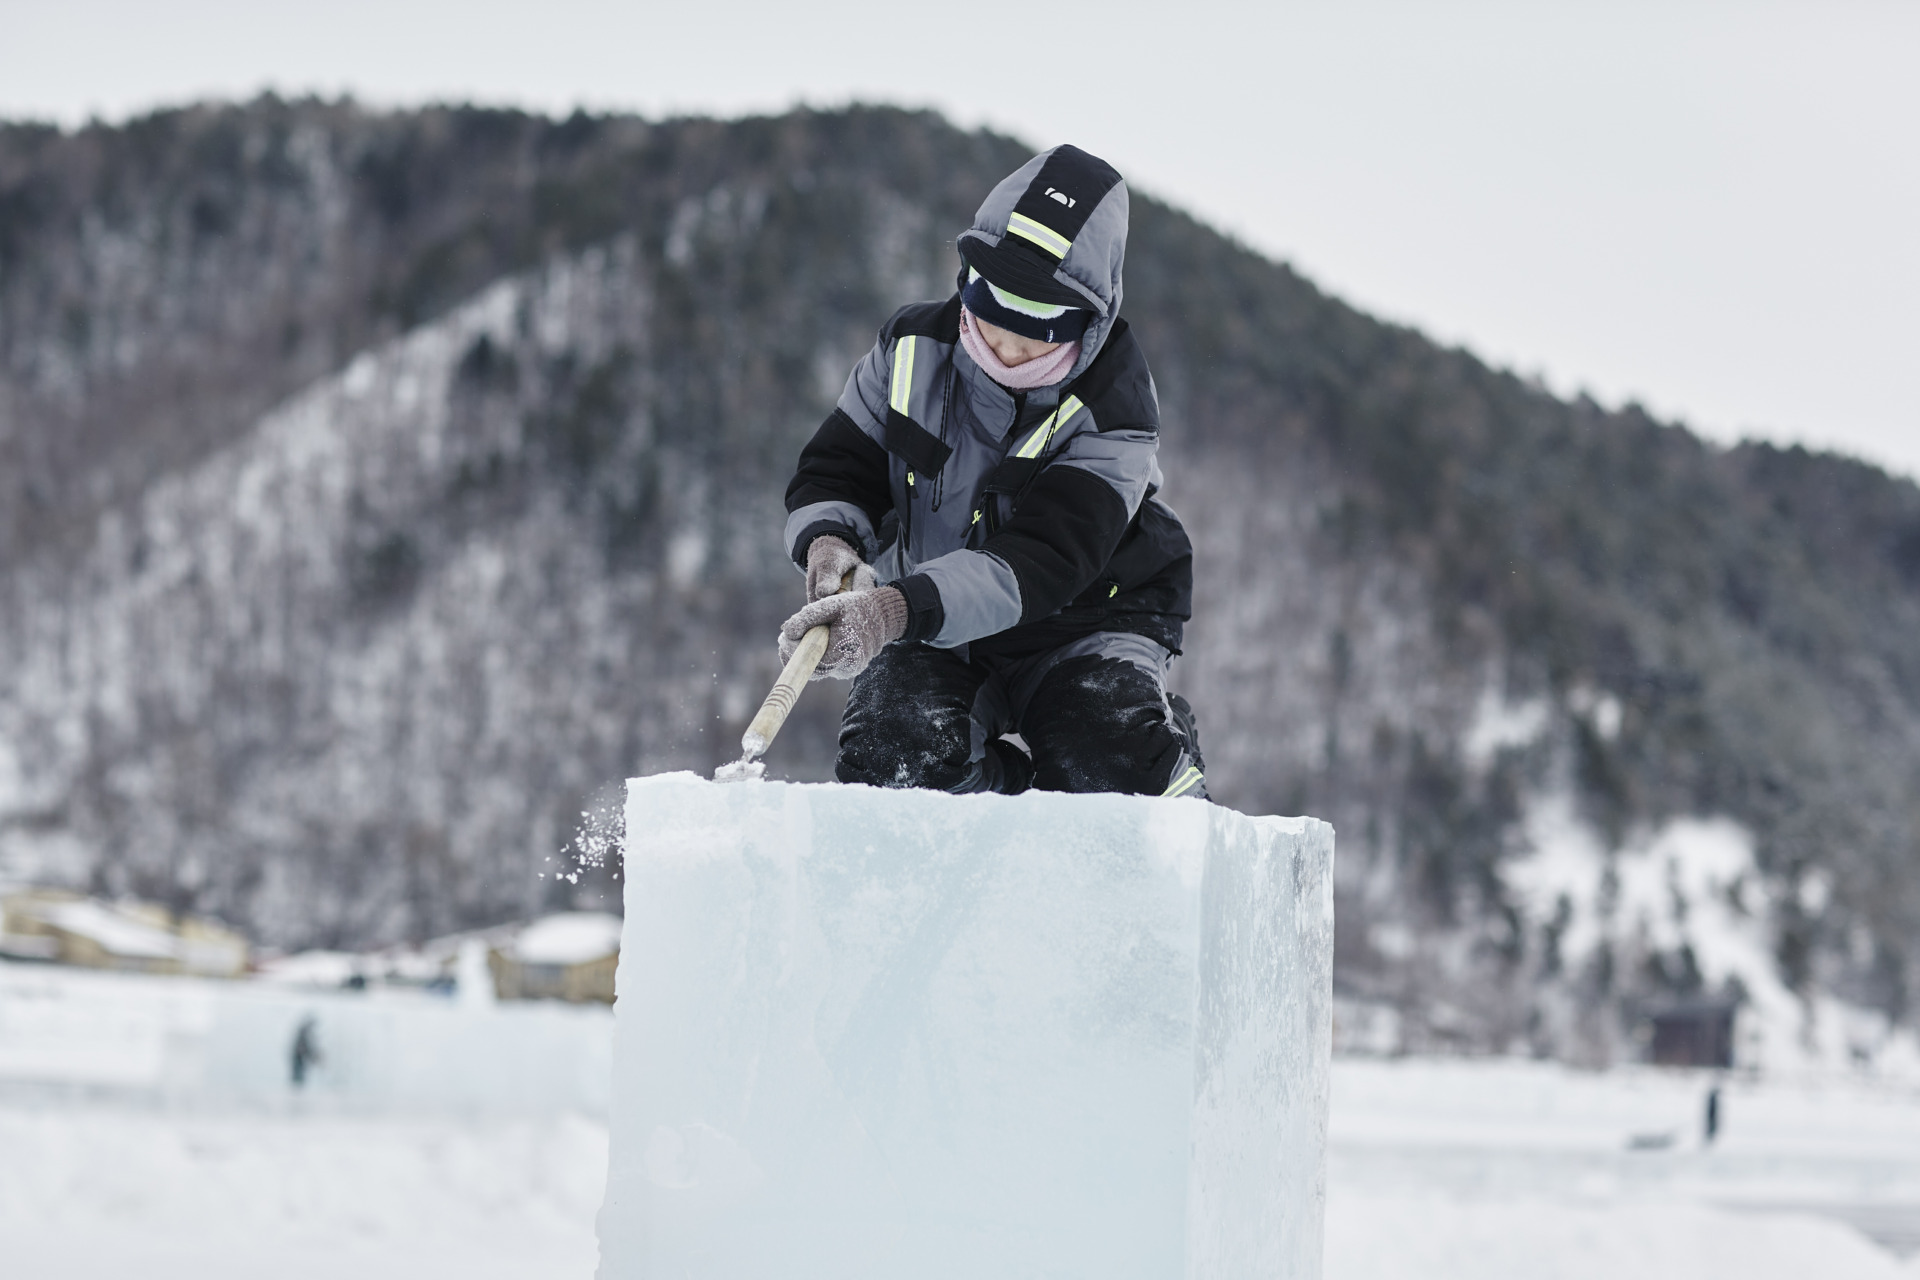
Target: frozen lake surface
1506,1169
102,1192
1437,1170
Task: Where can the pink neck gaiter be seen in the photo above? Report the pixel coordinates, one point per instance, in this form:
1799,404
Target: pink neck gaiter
1041,371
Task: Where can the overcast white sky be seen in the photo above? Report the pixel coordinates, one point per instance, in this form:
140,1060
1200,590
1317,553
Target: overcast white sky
1713,208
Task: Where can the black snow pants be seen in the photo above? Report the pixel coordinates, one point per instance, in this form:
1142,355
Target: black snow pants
1095,714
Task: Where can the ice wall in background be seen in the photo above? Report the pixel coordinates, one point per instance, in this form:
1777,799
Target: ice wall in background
204,1043
873,1034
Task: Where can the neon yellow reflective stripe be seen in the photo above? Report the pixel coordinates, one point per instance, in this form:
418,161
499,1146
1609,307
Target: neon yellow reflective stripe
1184,783
1036,441
901,394
1046,237
1044,432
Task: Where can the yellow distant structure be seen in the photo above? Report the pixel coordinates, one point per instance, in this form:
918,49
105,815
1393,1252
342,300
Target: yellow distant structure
568,956
127,937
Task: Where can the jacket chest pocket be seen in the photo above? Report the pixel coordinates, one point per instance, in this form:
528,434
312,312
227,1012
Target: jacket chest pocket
1000,496
990,512
923,453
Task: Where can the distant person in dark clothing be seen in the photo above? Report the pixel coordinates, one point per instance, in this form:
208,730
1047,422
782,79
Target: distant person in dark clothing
1713,1114
306,1051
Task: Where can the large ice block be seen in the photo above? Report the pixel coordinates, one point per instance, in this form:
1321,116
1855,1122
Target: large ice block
901,1035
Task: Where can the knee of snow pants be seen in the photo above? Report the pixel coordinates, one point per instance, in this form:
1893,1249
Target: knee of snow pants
1095,715
913,720
1102,724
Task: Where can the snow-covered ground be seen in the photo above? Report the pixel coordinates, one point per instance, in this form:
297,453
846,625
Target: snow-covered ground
103,1192
1438,1170
149,1127
1493,1170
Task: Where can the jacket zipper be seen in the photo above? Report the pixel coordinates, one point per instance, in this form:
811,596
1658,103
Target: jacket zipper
906,521
946,405
989,502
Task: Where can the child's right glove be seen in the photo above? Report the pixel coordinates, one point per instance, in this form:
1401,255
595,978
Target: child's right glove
860,624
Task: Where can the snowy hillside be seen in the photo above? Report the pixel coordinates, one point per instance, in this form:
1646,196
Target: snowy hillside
378,490
300,596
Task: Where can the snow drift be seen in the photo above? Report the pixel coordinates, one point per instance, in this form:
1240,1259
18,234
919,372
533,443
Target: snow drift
865,1033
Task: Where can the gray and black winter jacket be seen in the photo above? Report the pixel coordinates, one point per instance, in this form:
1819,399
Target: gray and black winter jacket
1011,522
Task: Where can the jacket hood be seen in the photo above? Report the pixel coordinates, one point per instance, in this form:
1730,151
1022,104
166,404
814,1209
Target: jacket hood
1055,230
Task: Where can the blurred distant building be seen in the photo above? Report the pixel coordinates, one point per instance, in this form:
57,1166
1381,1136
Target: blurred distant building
427,966
129,937
1692,1033
568,956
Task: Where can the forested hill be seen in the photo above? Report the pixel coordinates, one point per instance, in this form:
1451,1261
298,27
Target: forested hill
377,489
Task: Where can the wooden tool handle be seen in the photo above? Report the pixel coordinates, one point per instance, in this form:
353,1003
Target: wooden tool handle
793,678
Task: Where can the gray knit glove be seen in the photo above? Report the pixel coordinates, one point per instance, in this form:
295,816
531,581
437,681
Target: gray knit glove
861,624
828,560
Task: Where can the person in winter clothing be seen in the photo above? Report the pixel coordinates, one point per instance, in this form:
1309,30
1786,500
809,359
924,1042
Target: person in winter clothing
990,479
305,1053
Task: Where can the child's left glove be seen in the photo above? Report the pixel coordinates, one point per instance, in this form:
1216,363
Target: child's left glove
860,624
829,560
